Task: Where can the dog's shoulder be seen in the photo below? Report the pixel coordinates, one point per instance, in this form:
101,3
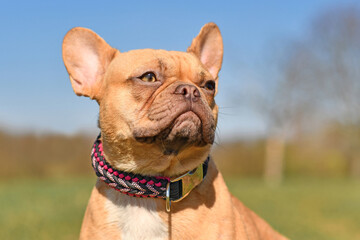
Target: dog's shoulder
255,225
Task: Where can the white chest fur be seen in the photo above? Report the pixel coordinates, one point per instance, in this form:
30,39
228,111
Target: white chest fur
137,218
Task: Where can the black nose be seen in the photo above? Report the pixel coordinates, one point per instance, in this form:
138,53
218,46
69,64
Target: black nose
188,91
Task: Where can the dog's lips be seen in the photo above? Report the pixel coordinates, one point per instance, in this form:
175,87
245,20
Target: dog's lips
186,124
187,127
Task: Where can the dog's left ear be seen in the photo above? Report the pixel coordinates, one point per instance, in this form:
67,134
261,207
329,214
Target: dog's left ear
208,47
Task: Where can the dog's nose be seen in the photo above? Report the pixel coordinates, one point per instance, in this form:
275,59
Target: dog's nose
188,91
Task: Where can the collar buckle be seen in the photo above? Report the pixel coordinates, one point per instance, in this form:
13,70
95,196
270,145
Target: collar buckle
189,181
168,201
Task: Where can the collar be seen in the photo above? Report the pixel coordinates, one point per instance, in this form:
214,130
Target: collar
137,185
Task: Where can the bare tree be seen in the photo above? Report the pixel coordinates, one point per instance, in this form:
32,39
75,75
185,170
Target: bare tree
319,83
337,43
287,109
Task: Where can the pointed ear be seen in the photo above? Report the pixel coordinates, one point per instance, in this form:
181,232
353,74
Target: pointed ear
86,56
208,47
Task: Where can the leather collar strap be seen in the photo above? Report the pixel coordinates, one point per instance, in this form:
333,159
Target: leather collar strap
137,185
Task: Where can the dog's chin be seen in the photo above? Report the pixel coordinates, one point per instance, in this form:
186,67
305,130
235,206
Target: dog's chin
185,130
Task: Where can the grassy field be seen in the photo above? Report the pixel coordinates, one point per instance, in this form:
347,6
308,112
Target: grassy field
305,208
300,208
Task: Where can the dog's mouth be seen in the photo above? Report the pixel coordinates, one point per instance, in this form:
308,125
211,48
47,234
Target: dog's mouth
176,123
184,130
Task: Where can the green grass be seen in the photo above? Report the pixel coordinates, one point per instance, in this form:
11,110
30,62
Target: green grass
300,208
305,208
43,209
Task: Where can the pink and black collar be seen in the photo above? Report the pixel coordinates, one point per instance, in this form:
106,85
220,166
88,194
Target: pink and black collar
137,185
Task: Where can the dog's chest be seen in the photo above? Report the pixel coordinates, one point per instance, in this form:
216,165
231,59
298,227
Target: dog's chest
136,218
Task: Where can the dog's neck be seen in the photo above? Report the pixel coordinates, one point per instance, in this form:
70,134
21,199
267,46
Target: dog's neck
128,155
137,185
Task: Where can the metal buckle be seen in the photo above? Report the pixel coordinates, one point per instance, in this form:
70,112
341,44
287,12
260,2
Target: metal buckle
168,201
189,181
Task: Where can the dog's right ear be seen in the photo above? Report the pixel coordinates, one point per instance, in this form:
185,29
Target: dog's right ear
86,56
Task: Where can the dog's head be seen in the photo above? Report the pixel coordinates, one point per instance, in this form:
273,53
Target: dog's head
157,108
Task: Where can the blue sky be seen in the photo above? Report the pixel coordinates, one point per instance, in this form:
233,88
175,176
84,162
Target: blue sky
36,92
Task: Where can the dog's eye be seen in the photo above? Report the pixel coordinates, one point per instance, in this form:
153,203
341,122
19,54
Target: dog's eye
210,85
148,77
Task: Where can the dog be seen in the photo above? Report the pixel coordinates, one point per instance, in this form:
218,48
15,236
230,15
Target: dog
157,117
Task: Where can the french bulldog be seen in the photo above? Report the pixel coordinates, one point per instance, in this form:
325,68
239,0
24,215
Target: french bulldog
157,117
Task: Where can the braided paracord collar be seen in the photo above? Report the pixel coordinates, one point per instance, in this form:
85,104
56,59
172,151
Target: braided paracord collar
137,185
